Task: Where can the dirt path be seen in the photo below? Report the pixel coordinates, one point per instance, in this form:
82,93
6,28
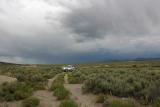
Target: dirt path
49,84
11,104
84,100
46,97
66,79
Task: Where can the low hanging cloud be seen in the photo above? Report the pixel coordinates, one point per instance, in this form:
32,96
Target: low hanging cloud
65,31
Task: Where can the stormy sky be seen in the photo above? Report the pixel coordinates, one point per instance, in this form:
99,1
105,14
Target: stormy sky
77,31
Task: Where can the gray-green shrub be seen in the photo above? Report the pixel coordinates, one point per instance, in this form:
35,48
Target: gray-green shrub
120,103
68,103
101,98
30,102
156,103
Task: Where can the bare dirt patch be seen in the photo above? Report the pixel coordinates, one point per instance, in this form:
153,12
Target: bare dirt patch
6,79
46,98
83,100
11,104
66,79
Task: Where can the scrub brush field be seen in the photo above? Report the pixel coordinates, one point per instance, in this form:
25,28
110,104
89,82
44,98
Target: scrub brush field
111,84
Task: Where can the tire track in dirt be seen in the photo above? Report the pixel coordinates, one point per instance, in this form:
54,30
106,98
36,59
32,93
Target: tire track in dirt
46,97
83,100
11,104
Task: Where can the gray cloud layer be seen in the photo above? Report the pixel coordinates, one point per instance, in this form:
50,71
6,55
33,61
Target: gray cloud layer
116,17
61,31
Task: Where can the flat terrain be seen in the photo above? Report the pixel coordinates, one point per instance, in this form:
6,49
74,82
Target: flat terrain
46,97
135,81
6,79
83,100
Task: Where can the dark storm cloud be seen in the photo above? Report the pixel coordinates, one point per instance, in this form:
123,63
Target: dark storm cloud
73,31
115,17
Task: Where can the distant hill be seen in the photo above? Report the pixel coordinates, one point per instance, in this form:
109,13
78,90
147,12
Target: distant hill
146,59
136,59
7,63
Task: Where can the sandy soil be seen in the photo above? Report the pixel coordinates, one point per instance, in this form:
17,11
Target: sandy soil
46,97
66,79
83,100
6,79
50,82
11,104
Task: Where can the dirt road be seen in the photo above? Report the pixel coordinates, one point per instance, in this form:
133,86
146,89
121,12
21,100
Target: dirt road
83,100
46,97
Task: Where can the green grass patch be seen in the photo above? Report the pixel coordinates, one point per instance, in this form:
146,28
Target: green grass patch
156,103
121,103
61,93
68,103
14,91
30,102
76,77
58,89
101,98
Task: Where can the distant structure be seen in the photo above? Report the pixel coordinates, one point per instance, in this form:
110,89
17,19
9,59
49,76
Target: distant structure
68,68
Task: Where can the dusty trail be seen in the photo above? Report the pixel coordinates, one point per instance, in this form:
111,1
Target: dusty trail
84,100
46,97
11,104
50,82
66,79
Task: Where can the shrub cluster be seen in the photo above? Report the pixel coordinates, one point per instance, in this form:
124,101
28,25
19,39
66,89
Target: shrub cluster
58,88
139,79
61,93
101,98
120,103
33,75
139,85
76,78
156,102
30,102
14,91
68,103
